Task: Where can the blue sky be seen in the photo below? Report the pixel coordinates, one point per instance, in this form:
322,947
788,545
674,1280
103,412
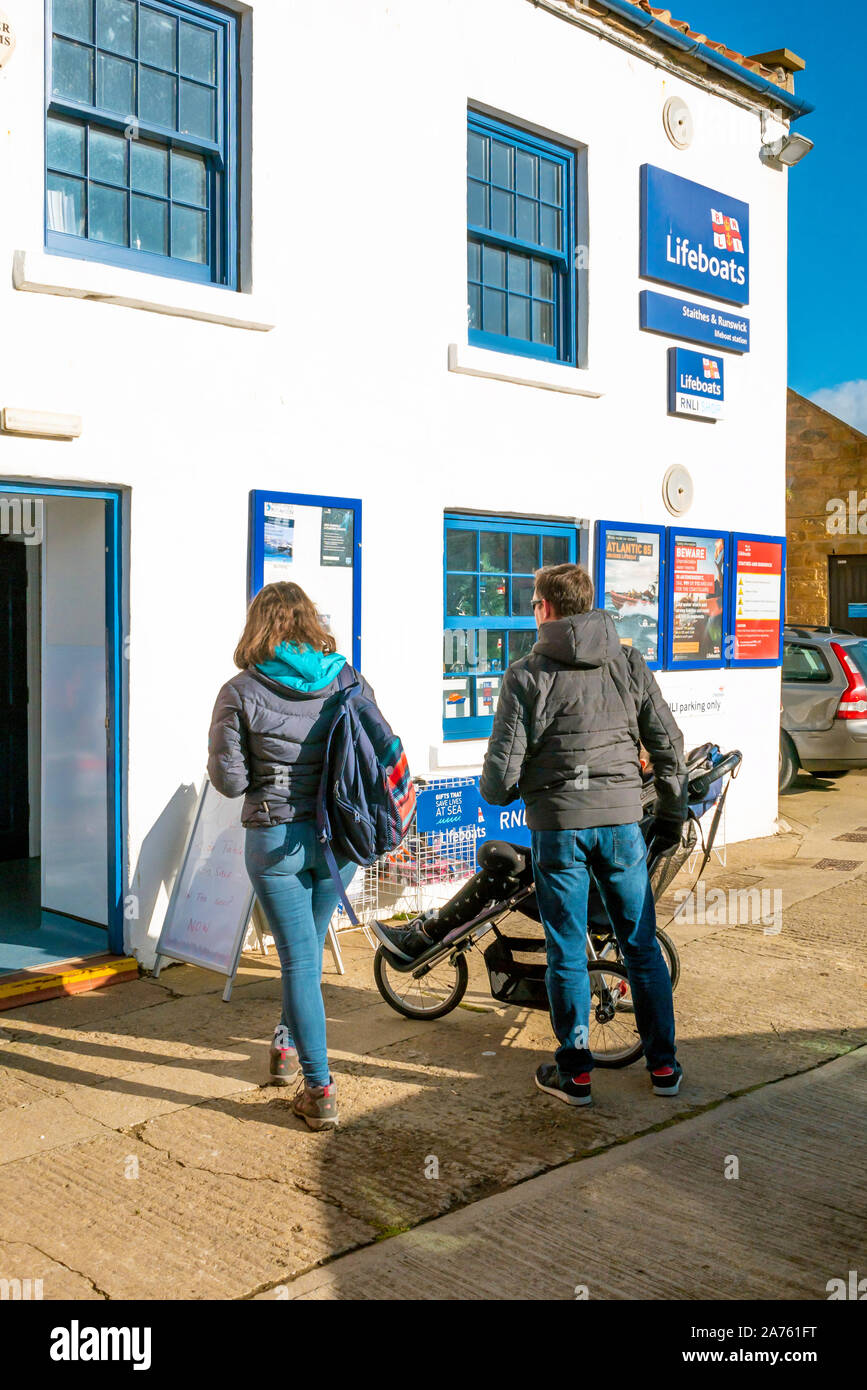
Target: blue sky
827,190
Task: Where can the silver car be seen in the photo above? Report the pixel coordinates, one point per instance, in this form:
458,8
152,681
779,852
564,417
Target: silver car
824,710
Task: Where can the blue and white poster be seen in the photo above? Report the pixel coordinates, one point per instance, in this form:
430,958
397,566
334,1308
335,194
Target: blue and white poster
458,811
707,324
696,384
694,237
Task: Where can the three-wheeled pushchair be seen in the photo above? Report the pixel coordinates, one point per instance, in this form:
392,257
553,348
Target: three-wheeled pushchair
435,982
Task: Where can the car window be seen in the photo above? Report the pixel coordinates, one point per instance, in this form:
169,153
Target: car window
804,663
858,653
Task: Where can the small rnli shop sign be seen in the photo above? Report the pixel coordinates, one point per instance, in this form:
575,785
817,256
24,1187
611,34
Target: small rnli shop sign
696,384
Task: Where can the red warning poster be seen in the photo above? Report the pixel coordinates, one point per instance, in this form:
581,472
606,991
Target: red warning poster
757,589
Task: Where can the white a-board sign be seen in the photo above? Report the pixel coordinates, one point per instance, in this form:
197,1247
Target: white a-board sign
212,900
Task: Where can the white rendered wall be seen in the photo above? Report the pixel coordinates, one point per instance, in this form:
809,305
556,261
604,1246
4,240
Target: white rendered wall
358,181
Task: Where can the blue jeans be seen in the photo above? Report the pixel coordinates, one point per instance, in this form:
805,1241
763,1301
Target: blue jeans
562,862
288,871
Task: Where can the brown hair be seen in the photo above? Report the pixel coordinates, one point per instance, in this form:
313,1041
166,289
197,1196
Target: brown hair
280,613
568,588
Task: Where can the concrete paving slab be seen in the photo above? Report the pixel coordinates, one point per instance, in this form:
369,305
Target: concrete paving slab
759,1198
137,1224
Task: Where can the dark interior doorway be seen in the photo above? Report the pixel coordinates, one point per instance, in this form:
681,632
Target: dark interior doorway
847,592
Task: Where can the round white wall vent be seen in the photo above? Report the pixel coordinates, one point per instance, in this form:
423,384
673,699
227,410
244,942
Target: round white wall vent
677,119
677,490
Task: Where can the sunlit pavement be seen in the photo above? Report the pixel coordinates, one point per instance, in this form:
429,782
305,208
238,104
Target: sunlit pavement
140,1155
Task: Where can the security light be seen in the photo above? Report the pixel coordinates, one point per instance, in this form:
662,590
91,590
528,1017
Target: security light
789,150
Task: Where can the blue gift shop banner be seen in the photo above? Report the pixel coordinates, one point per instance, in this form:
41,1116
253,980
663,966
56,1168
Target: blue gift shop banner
694,237
459,811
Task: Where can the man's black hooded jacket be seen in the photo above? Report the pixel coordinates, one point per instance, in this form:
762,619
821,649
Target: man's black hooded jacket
567,728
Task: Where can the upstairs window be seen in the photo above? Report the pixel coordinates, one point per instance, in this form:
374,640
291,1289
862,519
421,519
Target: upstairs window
141,136
520,242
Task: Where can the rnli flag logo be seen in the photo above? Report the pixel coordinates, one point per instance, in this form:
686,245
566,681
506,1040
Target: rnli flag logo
726,232
710,367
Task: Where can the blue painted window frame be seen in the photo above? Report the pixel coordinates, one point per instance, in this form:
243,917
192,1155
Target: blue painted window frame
221,155
732,598
475,726
256,564
602,529
715,663
564,348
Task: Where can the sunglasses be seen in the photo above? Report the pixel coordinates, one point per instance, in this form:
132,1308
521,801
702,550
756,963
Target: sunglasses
537,601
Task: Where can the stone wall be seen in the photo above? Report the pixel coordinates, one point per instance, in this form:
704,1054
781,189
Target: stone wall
825,458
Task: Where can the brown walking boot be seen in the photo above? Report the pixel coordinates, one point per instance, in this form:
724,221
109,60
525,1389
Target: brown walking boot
317,1105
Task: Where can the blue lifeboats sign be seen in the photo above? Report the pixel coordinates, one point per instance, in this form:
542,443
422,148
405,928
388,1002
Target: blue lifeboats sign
696,384
693,236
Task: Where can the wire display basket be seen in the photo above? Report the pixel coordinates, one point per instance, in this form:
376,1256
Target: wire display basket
423,873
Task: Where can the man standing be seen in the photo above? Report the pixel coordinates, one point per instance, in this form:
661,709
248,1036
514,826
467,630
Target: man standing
566,736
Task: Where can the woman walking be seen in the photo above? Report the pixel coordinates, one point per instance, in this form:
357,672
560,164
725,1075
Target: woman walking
267,741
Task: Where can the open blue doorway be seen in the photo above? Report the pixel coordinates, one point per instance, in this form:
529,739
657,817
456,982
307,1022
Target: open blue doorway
62,870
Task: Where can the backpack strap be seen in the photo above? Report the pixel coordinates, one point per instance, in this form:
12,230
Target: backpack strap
337,880
347,685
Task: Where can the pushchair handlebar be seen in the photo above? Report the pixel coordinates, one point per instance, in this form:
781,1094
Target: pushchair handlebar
701,782
701,785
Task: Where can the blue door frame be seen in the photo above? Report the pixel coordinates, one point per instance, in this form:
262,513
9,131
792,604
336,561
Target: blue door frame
115,808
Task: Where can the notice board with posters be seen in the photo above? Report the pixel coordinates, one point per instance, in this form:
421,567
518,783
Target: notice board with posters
758,566
696,590
314,542
629,582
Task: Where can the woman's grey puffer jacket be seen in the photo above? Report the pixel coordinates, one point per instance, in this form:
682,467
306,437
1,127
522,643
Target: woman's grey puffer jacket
268,741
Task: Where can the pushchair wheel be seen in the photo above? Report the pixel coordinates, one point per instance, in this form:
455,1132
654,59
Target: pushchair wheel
432,996
669,955
612,1040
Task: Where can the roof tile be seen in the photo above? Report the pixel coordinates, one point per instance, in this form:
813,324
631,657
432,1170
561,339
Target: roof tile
778,75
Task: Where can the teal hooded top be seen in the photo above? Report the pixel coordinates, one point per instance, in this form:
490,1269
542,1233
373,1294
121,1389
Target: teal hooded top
302,668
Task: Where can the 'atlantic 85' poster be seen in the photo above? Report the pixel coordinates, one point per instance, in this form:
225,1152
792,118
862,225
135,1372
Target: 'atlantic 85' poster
631,583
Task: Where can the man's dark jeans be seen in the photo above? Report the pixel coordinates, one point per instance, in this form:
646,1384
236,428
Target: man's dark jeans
562,861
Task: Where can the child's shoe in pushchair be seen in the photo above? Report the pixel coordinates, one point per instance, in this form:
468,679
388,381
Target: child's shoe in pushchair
666,1080
575,1090
406,943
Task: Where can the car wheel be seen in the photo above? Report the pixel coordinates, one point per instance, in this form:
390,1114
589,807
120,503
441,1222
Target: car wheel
788,762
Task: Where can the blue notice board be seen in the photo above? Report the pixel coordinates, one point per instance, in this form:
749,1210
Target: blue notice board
315,542
694,237
459,811
706,324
